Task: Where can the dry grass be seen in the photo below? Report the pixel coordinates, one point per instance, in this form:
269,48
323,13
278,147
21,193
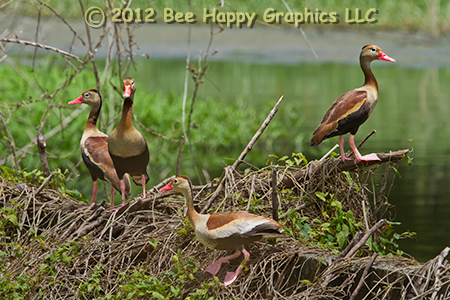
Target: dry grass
111,247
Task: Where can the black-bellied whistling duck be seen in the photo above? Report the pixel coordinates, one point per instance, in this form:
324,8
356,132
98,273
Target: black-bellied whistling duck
228,231
353,108
127,146
94,147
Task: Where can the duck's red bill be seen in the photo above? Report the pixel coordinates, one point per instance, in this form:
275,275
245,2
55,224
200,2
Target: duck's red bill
79,100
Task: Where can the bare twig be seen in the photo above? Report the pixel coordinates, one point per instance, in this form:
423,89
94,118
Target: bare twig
7,3
250,196
11,143
179,156
366,138
364,239
41,148
28,43
363,276
245,152
365,214
328,153
186,76
302,32
44,184
275,203
300,207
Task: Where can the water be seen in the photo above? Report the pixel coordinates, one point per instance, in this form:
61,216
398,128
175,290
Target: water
412,105
254,67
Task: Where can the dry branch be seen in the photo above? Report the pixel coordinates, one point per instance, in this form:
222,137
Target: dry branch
364,239
331,270
275,203
338,165
41,148
28,43
179,156
44,184
363,276
244,153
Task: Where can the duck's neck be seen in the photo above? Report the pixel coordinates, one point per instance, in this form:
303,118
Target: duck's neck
127,112
191,212
369,77
93,115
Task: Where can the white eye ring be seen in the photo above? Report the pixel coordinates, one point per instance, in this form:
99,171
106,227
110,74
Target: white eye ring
175,180
86,95
373,49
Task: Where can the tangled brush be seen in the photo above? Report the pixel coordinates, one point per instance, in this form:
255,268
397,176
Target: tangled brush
148,250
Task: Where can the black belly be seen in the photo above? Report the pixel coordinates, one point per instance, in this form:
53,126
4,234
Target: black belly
351,123
95,171
235,242
135,166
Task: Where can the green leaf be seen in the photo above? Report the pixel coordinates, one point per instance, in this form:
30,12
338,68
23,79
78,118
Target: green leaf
321,196
396,171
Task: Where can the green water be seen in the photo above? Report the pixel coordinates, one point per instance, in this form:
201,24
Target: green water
413,104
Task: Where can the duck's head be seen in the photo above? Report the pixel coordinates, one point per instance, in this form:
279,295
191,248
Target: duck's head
89,97
180,184
128,87
372,52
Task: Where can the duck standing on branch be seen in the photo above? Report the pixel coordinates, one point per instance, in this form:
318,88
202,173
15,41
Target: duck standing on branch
94,147
127,146
353,108
227,231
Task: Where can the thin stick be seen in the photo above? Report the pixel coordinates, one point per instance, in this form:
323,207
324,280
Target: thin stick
41,148
244,153
366,138
252,189
11,142
300,207
44,184
188,60
364,239
365,214
28,43
302,32
363,276
329,152
179,155
274,195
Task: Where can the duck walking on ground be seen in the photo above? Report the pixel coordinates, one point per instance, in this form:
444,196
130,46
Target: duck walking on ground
353,108
227,231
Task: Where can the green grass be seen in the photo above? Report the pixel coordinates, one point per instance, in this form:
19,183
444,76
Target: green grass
430,16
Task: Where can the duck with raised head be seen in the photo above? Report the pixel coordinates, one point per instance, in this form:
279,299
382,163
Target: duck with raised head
353,108
227,231
127,146
94,147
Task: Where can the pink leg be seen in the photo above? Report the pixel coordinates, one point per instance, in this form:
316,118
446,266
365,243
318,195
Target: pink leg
231,276
143,185
341,146
112,196
358,157
215,267
94,192
122,188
